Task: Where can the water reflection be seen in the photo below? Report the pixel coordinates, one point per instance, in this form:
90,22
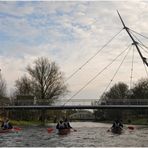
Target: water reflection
88,135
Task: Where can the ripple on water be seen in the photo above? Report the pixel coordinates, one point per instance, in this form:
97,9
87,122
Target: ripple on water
88,135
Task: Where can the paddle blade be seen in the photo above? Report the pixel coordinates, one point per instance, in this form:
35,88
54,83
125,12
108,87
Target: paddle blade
131,127
17,128
49,130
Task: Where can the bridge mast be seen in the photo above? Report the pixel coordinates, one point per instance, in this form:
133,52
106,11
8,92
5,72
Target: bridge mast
134,42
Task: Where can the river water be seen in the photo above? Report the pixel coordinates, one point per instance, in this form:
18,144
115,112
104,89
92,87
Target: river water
88,134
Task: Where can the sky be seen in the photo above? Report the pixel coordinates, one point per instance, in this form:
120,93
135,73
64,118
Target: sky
69,33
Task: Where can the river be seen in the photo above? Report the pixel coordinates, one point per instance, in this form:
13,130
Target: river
88,134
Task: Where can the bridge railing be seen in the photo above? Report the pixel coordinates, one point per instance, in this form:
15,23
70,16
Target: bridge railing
125,102
57,102
79,102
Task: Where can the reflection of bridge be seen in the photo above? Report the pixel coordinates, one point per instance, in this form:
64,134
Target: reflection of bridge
82,115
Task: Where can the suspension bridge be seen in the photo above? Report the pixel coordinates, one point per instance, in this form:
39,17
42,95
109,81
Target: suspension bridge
135,42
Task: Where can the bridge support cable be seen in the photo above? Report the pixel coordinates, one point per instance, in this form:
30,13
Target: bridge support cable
100,72
146,70
85,63
143,63
132,66
142,46
139,34
117,69
140,42
134,42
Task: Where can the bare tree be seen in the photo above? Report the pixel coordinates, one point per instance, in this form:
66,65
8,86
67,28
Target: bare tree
23,86
2,86
45,81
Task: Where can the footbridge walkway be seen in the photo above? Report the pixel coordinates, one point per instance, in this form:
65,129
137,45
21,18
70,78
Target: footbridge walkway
59,107
79,104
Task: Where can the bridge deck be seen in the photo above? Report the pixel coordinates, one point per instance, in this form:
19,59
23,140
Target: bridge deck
58,107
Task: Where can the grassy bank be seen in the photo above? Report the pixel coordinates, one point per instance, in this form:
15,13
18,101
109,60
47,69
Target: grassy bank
25,123
142,121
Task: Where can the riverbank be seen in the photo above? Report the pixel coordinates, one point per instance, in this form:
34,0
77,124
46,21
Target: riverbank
140,121
25,123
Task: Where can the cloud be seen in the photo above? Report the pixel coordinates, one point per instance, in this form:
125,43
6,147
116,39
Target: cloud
69,33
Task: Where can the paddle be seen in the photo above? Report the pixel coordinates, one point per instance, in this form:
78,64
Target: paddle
74,130
49,130
108,130
131,127
17,128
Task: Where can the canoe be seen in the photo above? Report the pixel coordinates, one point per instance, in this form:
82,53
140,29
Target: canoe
14,129
63,131
117,130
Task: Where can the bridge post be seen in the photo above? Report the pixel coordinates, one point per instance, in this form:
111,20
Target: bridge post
43,116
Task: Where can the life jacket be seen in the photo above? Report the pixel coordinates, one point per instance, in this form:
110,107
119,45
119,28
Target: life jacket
118,124
60,125
6,125
67,125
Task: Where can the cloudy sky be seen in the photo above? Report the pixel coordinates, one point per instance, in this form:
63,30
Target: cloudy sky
70,33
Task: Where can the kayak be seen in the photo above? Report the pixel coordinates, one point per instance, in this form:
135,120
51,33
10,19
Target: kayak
14,129
116,130
63,131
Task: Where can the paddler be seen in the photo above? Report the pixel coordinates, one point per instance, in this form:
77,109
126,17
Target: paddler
66,123
60,125
6,124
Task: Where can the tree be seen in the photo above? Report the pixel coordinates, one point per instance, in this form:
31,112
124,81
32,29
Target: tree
116,95
47,80
2,86
117,91
140,90
44,81
24,86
